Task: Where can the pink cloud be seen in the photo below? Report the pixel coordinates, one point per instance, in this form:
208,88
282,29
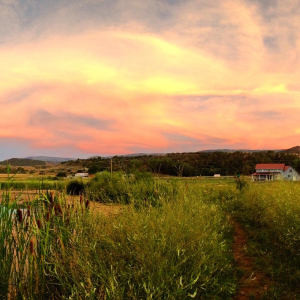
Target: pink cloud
224,77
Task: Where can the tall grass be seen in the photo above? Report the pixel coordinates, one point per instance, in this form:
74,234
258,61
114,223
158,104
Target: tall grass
172,240
140,189
180,249
177,251
270,213
32,184
29,237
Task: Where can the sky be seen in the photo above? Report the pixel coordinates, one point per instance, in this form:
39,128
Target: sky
101,77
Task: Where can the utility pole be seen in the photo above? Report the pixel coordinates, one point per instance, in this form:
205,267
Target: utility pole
111,167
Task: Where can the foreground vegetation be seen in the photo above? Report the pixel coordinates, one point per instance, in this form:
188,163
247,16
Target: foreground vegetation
178,250
271,215
171,240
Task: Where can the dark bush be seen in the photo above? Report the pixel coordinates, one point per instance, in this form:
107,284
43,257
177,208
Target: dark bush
61,174
75,187
95,169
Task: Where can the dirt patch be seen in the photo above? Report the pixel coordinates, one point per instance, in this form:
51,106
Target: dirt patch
254,283
97,207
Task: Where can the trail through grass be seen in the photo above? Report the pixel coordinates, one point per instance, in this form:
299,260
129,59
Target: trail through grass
270,215
253,282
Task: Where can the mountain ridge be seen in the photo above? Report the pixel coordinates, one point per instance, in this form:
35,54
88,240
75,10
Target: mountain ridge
53,159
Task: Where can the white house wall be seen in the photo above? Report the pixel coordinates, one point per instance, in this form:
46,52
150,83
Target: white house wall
291,174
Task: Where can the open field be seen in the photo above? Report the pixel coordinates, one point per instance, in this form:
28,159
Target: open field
156,239
33,183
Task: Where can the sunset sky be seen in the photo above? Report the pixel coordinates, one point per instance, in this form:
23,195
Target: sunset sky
100,77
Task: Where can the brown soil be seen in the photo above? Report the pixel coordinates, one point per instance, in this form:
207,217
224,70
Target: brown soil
254,283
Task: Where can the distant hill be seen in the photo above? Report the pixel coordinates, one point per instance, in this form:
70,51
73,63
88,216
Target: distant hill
51,159
293,150
141,154
232,150
23,162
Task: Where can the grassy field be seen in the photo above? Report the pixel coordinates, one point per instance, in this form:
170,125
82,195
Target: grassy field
27,182
171,239
271,215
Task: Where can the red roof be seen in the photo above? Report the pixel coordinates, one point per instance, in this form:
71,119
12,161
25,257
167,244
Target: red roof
270,167
286,167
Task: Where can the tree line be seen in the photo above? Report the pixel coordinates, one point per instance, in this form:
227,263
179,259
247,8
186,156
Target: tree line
190,164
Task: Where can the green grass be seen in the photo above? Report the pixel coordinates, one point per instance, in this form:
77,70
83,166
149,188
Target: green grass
172,241
33,185
165,253
270,213
178,250
139,189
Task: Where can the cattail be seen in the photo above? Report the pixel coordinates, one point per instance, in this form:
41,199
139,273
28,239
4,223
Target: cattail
19,215
81,199
87,203
28,211
51,197
39,224
47,216
31,247
58,210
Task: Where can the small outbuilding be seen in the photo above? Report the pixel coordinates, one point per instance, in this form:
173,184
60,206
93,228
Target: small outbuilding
82,175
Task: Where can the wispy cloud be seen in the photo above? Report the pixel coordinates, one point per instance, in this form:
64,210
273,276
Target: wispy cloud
101,76
43,118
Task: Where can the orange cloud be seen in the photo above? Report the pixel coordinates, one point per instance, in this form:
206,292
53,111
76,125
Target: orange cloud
220,78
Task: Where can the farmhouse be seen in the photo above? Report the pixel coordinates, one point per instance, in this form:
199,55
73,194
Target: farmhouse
267,172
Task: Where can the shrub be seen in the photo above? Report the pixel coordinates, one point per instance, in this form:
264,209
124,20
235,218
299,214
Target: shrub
75,187
61,174
95,169
106,187
141,189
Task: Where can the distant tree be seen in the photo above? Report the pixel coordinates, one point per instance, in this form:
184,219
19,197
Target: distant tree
191,164
94,169
61,174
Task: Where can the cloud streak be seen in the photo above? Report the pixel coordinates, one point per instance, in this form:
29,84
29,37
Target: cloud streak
116,76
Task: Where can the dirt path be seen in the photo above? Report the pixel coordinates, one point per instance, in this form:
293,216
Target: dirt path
253,283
